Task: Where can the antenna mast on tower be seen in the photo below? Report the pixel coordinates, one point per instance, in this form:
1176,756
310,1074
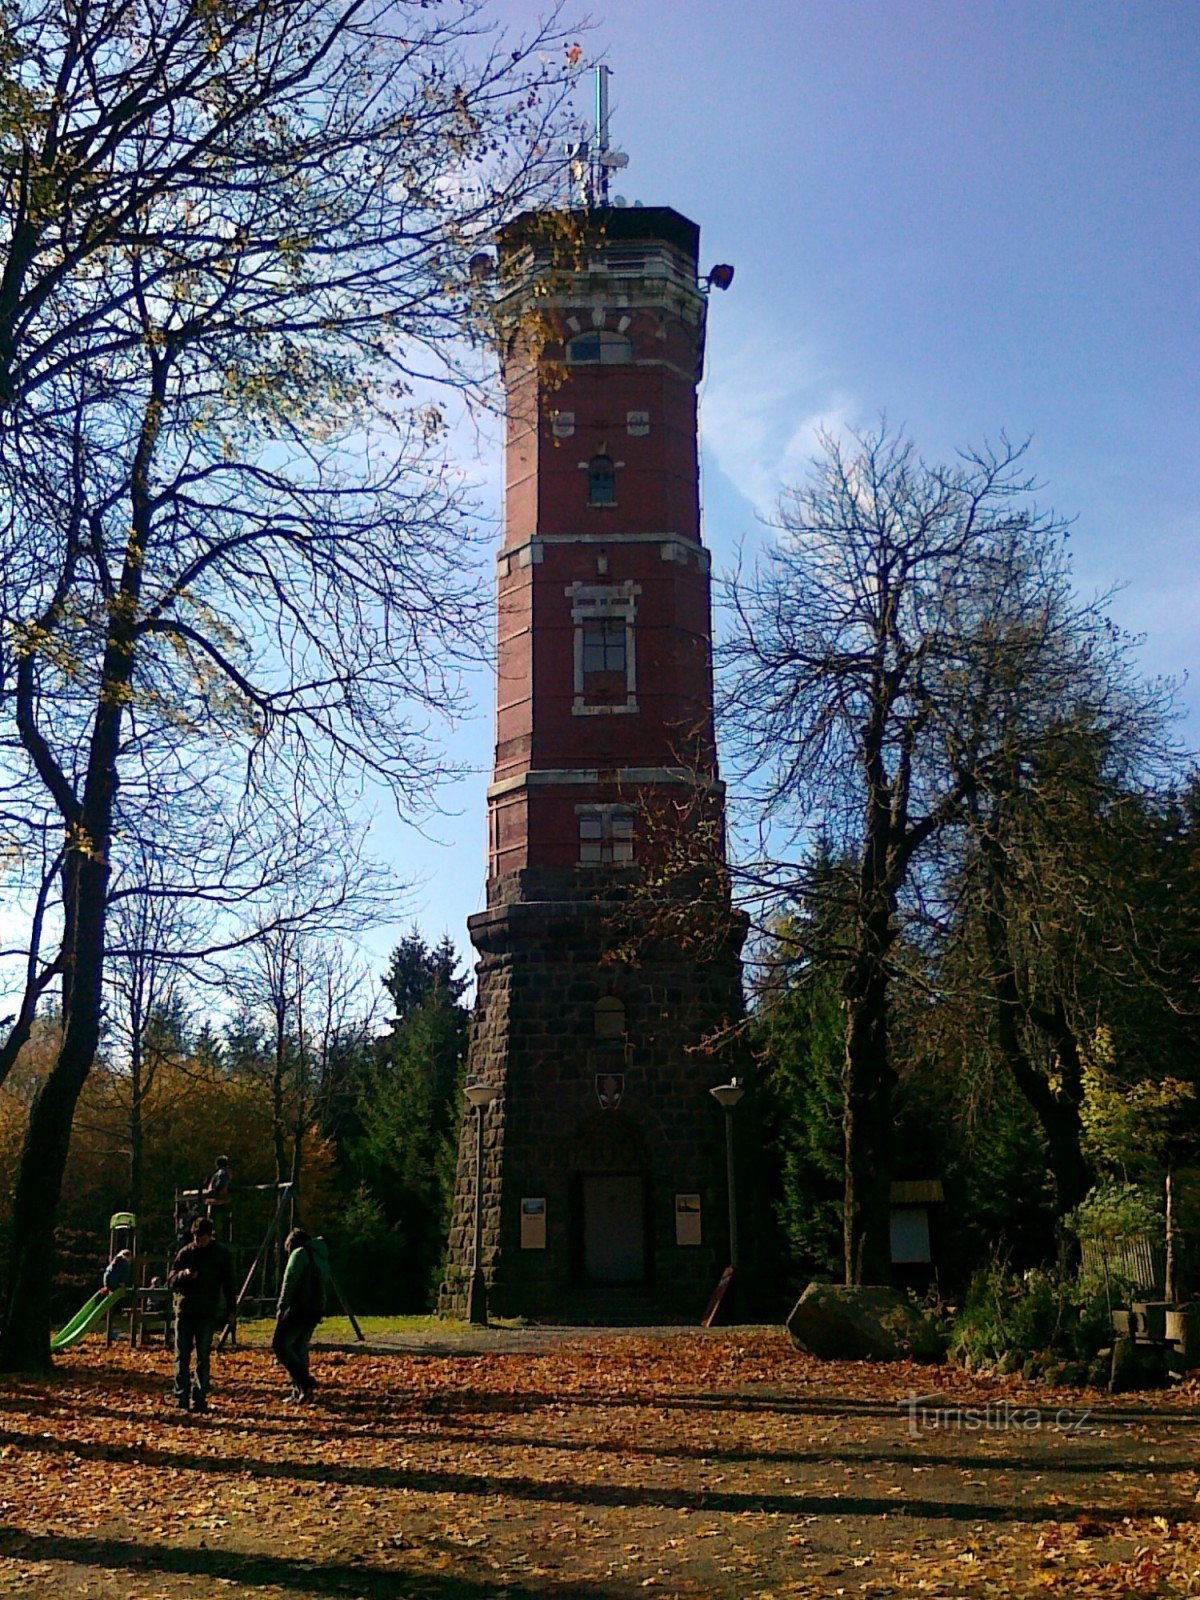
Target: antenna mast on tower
593,159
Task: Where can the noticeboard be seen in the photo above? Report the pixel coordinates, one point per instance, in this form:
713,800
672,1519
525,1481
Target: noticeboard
687,1219
533,1224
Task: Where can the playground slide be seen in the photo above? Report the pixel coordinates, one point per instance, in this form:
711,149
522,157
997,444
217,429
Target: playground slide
86,1318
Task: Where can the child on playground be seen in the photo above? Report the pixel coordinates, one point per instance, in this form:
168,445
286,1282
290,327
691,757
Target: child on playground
216,1190
117,1272
302,1298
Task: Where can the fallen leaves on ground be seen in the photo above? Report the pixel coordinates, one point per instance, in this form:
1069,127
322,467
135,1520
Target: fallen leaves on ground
717,1464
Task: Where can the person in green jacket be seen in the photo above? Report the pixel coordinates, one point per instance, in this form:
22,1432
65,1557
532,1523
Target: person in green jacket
302,1298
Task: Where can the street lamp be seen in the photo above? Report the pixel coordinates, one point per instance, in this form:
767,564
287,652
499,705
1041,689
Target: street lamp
727,1096
481,1096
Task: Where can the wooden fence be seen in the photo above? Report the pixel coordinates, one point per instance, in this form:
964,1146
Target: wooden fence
1141,1261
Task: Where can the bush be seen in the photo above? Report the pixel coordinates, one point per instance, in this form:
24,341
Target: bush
1115,1214
1033,1320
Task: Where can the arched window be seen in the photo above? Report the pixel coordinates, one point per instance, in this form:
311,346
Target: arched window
609,1017
602,482
599,348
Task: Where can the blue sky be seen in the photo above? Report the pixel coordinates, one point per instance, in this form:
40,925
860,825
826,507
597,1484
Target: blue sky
970,216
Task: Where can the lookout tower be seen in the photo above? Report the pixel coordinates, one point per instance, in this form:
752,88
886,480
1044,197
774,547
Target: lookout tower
602,1169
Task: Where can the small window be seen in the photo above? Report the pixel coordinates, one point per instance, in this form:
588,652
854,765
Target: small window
602,482
591,841
621,836
605,836
609,1017
600,348
604,646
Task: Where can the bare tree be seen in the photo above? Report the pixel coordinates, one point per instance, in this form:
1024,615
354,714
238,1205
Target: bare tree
1051,917
237,245
311,994
873,648
144,976
36,973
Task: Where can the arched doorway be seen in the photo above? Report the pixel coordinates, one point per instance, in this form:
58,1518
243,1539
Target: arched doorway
610,1190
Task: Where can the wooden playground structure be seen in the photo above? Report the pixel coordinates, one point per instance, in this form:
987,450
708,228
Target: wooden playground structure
141,1311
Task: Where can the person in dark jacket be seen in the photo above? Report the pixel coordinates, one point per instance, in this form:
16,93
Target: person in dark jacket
216,1190
201,1276
302,1297
117,1272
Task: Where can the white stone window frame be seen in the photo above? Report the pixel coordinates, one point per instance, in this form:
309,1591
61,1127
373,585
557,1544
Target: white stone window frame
613,845
592,602
612,349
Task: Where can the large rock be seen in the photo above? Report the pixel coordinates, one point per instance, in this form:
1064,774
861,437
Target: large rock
836,1323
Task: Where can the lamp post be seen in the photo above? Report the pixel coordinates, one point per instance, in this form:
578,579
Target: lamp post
481,1096
727,1096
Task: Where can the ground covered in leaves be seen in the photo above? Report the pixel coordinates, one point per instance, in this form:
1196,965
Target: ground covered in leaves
602,1465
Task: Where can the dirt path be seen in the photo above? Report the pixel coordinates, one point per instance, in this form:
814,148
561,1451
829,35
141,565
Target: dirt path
598,1465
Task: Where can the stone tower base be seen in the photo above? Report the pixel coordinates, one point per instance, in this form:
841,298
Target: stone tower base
604,1185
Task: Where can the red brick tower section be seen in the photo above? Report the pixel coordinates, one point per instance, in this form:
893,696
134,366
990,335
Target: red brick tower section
602,1170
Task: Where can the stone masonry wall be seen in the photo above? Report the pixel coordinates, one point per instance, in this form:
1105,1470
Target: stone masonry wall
543,966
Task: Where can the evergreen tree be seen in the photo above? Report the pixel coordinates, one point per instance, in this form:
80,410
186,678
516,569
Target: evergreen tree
401,1146
798,1031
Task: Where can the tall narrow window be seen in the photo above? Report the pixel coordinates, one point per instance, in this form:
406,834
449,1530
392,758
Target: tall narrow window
602,482
609,1017
604,647
621,835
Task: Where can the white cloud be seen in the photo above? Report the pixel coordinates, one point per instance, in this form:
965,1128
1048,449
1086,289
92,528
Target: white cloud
764,404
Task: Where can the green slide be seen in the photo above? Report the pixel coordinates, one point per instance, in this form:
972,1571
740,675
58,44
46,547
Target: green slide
97,1307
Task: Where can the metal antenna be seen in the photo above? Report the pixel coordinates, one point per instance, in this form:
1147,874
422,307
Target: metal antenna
600,148
593,159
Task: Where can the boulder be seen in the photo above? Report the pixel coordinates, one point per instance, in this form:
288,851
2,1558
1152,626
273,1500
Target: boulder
836,1323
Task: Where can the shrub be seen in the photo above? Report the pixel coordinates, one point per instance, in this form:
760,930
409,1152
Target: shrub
1031,1320
1115,1214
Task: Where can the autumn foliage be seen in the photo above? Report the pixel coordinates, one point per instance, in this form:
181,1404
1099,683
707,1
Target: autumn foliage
561,1463
195,1109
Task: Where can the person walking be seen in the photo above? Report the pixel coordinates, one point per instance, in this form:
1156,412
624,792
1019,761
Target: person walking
302,1298
200,1277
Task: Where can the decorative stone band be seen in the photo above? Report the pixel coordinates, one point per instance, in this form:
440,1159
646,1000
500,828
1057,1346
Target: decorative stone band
674,548
584,777
552,924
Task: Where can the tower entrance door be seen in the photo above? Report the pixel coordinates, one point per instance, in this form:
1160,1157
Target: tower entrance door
614,1227
610,1194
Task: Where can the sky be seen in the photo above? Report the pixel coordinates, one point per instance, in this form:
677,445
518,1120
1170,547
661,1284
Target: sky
967,217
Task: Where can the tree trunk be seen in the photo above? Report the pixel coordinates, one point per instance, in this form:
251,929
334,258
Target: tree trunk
137,1133
25,1338
1056,1111
1057,1114
35,982
279,1122
867,1111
